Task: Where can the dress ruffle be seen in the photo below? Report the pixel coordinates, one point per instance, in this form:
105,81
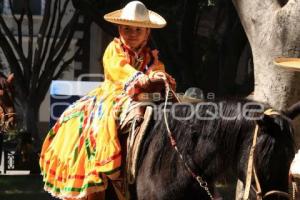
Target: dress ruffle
82,148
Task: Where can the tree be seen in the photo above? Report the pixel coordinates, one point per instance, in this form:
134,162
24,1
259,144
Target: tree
43,62
273,30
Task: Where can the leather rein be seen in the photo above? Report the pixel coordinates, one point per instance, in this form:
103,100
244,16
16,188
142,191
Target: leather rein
202,183
251,171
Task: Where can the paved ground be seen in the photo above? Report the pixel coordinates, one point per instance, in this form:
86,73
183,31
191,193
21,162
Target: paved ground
30,187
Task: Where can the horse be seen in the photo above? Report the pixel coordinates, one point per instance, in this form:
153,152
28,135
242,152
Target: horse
188,147
7,111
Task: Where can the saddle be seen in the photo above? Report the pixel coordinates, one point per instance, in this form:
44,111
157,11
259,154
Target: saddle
133,127
136,121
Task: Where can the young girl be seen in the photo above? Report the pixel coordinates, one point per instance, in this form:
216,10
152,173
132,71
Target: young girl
82,149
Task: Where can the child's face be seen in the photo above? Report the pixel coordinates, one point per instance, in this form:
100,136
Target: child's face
134,36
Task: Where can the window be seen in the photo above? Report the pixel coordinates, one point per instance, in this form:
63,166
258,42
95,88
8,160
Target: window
37,6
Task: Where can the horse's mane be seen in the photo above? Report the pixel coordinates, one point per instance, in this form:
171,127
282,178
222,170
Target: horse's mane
228,135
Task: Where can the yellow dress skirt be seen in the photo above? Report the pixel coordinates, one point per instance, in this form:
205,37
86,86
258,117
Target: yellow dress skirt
82,149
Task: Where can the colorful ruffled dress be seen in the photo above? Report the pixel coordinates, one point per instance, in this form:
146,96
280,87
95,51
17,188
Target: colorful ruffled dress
82,149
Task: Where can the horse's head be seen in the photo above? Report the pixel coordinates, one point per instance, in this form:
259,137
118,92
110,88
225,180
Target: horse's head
7,111
274,152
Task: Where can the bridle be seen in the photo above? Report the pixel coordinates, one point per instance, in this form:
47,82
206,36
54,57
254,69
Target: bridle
202,183
251,171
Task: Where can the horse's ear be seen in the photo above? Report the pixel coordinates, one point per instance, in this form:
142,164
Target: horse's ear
266,121
273,124
10,78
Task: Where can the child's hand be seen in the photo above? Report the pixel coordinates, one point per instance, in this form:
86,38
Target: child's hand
159,75
141,82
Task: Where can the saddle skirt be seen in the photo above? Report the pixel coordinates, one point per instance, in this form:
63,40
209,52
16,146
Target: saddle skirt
135,124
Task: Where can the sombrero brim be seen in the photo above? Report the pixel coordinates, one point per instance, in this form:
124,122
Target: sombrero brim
155,20
288,63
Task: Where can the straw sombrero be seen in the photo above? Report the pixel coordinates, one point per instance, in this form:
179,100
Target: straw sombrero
135,13
288,63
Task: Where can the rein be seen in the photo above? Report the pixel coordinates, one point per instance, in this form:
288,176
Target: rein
252,171
203,184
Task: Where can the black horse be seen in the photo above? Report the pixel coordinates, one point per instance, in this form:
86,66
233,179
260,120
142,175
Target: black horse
214,139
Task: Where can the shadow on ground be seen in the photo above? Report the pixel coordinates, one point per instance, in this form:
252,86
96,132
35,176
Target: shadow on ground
30,187
19,187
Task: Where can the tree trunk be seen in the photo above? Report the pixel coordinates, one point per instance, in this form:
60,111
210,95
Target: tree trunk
28,112
273,30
